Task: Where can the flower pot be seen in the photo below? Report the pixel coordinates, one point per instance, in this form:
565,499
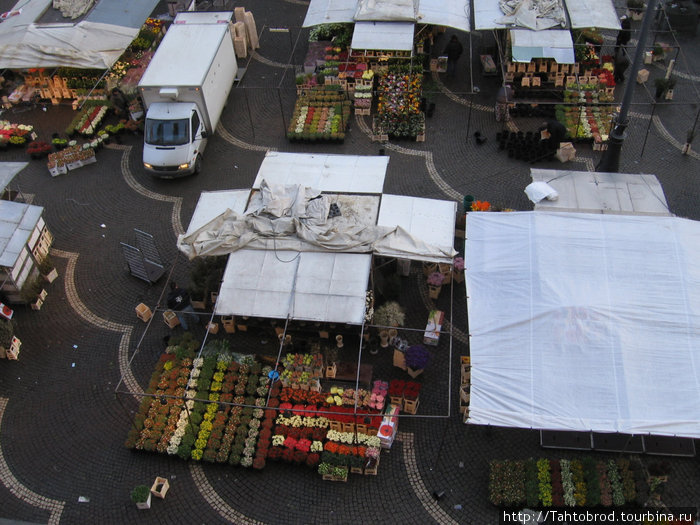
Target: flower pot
384,338
51,276
413,373
434,291
143,505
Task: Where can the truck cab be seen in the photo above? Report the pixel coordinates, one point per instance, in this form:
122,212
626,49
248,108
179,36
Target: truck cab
174,137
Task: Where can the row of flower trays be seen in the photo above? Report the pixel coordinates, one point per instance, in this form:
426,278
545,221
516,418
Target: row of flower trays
225,410
322,114
71,158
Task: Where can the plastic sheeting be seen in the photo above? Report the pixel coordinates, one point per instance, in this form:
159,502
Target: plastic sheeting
594,192
584,322
533,14
593,13
305,286
89,44
389,36
553,43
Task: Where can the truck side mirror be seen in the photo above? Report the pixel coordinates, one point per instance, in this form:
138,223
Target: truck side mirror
204,133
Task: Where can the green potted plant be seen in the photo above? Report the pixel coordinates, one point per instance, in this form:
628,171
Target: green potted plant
389,314
48,270
141,495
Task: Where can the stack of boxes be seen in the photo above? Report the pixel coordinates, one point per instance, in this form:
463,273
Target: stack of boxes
466,369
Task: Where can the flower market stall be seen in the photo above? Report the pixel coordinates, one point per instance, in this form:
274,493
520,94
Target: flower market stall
311,402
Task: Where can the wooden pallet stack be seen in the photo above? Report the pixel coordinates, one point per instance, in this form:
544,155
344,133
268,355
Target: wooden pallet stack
464,387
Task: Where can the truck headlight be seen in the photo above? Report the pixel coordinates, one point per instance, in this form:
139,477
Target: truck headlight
184,166
147,165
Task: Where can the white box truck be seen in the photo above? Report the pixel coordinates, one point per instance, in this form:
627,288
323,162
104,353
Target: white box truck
184,90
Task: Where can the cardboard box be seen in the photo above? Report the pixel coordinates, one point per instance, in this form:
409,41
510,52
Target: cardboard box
431,336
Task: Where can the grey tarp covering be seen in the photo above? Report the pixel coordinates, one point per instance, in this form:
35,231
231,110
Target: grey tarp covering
8,171
96,42
533,14
296,218
592,13
594,192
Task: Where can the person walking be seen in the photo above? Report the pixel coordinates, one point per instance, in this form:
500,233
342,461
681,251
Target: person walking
179,302
453,50
503,99
624,35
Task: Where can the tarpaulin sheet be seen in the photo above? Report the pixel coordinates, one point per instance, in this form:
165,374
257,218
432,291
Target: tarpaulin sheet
389,36
584,322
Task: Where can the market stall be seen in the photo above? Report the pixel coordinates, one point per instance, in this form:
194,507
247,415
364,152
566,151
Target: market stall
332,414
606,357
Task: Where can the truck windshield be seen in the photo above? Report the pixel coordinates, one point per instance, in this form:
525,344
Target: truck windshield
167,132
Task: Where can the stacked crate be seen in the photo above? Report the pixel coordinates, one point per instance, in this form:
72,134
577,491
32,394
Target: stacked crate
464,387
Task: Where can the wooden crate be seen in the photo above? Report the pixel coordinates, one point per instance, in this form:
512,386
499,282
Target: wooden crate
372,471
213,328
12,353
143,312
466,373
396,400
170,319
229,324
362,111
410,406
160,487
331,370
335,425
361,428
356,470
349,427
329,477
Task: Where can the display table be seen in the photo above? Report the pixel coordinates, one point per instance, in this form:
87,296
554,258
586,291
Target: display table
347,373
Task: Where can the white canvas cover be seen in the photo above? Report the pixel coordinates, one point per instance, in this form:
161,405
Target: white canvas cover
305,286
594,192
389,36
584,322
553,43
450,13
211,204
386,10
592,13
429,220
90,44
327,173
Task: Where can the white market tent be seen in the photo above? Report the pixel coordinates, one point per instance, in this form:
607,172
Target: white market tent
594,192
582,13
552,43
584,322
95,42
389,36
450,13
318,285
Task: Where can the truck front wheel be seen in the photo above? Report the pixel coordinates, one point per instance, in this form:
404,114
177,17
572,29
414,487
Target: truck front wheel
197,164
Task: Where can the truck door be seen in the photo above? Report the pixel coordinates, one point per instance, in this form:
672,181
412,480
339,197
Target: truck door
198,132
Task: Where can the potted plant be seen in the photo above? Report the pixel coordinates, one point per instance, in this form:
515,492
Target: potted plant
417,358
389,314
38,148
48,270
141,495
7,333
59,143
435,281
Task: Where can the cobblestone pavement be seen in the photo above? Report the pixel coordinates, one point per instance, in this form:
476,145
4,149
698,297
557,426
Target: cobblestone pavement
61,427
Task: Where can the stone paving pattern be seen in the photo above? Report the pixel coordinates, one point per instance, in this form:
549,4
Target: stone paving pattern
61,426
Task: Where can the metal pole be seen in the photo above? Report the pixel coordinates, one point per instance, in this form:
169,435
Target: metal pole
610,160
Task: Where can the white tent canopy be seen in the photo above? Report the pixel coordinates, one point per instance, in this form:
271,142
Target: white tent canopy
594,192
585,322
582,13
328,173
96,42
321,273
389,36
553,43
450,13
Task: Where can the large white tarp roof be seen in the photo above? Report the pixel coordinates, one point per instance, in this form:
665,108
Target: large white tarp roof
552,43
389,36
211,204
328,173
450,13
595,192
429,220
95,42
305,286
593,13
582,13
584,322
386,10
